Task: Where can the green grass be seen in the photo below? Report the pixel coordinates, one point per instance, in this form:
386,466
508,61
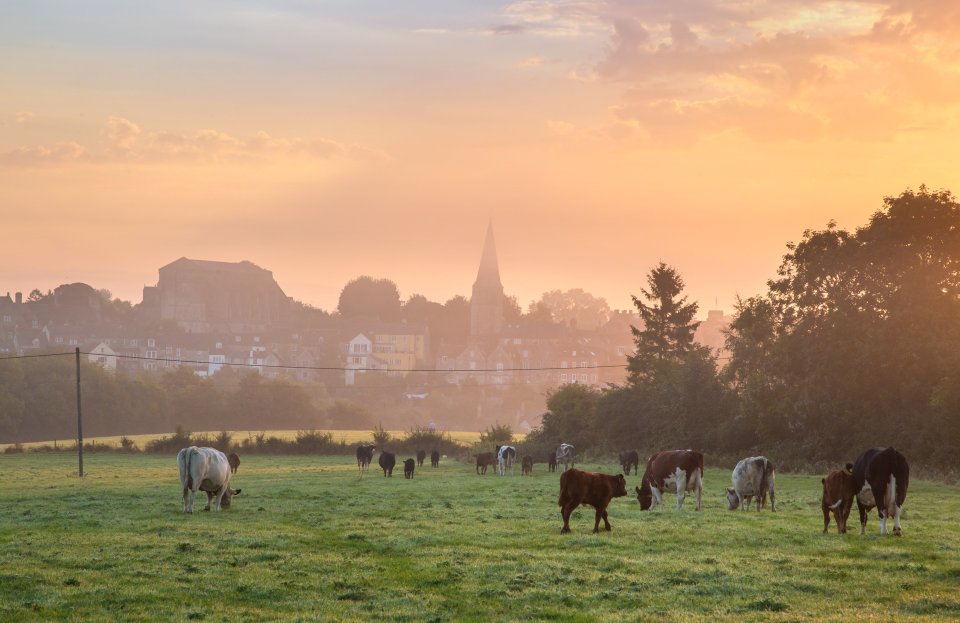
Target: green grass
310,541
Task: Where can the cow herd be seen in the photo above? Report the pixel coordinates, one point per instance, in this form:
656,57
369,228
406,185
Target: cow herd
878,478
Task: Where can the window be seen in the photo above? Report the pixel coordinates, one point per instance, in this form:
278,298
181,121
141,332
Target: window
499,367
102,360
151,354
219,345
620,350
58,339
563,364
563,377
256,339
583,378
151,342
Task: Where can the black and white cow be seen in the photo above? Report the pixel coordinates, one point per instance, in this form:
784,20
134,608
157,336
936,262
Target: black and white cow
565,455
506,455
364,456
207,470
752,477
880,478
669,471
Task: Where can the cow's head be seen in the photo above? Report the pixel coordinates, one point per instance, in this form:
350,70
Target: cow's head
644,497
620,488
733,500
228,496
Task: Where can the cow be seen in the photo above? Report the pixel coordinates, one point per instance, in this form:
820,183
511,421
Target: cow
434,459
628,459
421,455
838,495
364,456
579,487
207,470
408,466
671,470
565,455
506,455
388,461
484,460
234,461
880,478
527,466
751,477
552,462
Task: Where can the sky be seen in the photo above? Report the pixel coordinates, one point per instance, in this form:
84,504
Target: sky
327,140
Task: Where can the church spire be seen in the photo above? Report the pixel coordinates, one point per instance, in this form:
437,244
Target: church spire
486,305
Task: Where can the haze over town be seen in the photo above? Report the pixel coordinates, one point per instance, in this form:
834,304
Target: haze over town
378,138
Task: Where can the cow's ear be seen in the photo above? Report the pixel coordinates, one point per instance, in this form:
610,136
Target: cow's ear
237,492
823,481
730,490
638,490
622,479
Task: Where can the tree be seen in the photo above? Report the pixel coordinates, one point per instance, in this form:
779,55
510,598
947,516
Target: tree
370,298
668,325
576,308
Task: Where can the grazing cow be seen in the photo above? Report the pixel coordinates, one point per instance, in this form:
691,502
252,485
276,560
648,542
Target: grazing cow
234,461
671,470
838,495
388,461
434,459
506,455
628,459
880,478
552,462
421,455
565,455
578,487
527,466
207,470
408,466
752,477
364,456
484,460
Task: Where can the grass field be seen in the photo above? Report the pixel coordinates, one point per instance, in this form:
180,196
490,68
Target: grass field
308,540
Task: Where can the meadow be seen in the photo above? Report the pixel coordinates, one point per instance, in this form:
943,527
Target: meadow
310,540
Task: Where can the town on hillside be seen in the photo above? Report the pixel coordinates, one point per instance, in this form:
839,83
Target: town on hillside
211,315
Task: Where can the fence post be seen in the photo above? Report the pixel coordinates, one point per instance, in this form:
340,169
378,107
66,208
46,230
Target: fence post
79,416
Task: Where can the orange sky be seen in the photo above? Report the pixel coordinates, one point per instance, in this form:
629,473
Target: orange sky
378,138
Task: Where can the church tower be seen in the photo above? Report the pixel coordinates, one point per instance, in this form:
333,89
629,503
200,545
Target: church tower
486,305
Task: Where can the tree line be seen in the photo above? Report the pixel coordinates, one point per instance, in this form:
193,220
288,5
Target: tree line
855,343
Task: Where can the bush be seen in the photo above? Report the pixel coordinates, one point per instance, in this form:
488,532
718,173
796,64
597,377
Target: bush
174,443
380,436
498,434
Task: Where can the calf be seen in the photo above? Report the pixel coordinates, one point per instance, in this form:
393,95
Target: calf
408,466
388,461
565,455
880,478
234,461
630,459
421,455
434,459
506,455
752,477
527,466
207,470
364,456
484,460
671,470
578,487
838,495
552,462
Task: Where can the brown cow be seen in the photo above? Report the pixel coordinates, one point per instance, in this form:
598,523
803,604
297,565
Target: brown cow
579,487
552,462
630,459
234,462
421,455
674,471
527,466
485,460
838,492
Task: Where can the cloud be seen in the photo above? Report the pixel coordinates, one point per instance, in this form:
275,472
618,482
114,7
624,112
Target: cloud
24,117
786,70
126,142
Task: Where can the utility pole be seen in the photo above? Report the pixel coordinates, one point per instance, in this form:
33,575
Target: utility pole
79,416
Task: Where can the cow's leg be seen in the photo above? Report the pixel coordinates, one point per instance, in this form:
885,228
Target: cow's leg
744,501
219,496
896,522
863,515
879,498
773,501
606,522
656,496
596,520
186,496
193,496
565,511
826,516
209,499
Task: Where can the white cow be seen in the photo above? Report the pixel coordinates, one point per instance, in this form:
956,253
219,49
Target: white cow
565,455
506,455
207,470
751,477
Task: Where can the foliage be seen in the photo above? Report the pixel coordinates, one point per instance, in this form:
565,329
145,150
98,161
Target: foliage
371,298
497,434
668,325
380,436
574,308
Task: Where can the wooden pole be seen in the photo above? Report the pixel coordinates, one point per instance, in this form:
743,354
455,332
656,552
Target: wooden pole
79,416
